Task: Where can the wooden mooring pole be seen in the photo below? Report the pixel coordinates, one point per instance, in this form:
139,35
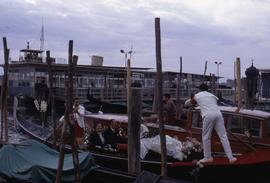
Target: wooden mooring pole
160,99
51,95
178,92
134,122
205,69
72,60
238,81
128,85
4,94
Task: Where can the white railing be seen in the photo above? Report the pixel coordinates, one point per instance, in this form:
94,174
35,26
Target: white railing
119,94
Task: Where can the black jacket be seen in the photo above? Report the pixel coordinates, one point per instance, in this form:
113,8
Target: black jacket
112,137
95,139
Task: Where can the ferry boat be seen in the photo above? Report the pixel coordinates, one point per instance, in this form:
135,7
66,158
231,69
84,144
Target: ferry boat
28,76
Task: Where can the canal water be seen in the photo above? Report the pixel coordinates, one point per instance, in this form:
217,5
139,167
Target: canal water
15,135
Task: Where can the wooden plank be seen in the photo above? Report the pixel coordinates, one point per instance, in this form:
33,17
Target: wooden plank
160,101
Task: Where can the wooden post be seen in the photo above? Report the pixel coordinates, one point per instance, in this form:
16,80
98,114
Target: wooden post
74,142
205,69
72,60
4,94
134,121
178,93
51,95
239,90
234,82
246,99
213,83
128,85
155,102
160,101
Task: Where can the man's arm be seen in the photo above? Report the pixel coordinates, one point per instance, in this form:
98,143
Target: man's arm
81,110
190,102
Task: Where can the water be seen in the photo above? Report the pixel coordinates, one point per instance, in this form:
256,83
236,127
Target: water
15,135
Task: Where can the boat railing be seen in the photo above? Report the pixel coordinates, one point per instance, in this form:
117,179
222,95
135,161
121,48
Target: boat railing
119,93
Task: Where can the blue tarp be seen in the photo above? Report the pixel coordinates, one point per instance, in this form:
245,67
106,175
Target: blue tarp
35,162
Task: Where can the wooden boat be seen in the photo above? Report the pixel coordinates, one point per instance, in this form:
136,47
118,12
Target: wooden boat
94,105
100,174
253,153
43,134
32,161
252,148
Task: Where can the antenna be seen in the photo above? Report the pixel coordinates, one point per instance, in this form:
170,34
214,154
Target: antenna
42,38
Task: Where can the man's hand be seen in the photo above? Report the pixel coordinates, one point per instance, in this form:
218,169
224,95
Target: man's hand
238,109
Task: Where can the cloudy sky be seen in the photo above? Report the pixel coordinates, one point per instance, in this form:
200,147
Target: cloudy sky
212,30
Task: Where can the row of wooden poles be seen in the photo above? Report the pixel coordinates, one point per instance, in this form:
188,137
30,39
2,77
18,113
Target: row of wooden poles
134,97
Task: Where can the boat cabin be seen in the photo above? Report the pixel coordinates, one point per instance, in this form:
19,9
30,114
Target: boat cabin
246,129
247,126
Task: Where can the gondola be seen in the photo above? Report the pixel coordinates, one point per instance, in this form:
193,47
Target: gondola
95,105
44,135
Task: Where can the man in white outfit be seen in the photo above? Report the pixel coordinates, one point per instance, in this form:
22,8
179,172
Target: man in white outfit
212,119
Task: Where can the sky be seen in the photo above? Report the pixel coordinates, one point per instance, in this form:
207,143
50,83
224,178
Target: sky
199,31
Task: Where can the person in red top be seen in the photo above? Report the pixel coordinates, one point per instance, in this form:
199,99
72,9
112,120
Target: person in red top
78,112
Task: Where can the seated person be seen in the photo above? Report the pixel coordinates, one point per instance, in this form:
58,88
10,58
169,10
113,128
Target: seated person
97,137
144,131
113,134
169,110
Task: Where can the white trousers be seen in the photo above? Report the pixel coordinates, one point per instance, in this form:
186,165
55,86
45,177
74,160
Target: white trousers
214,121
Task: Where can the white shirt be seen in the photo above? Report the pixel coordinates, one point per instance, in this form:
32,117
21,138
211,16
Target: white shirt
80,117
207,102
101,137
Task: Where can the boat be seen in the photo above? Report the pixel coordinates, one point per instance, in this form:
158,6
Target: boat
253,153
248,134
95,105
99,173
44,135
32,161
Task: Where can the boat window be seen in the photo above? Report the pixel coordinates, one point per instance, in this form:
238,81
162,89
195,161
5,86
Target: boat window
196,119
239,124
